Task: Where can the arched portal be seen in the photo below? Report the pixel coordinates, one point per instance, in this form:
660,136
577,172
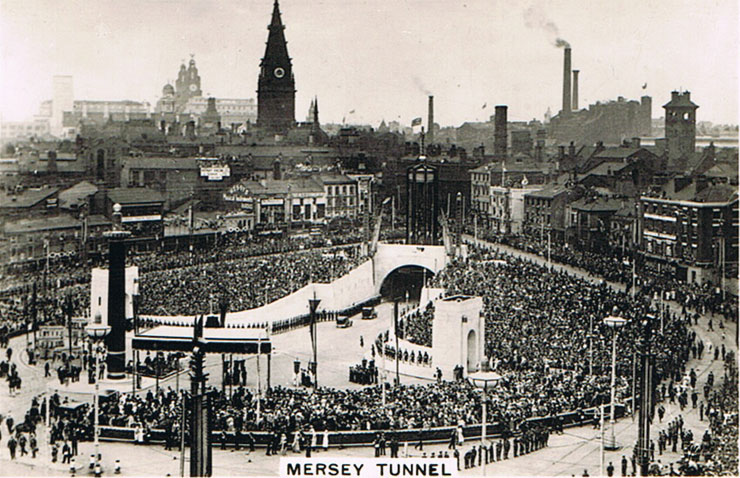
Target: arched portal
405,279
472,352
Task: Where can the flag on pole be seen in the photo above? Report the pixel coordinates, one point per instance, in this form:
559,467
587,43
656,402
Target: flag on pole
416,122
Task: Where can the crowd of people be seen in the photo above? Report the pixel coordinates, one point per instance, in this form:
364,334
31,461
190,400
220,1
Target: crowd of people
620,268
247,283
550,324
365,373
62,284
721,449
545,335
416,326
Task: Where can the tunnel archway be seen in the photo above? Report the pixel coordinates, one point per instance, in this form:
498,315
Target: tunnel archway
407,278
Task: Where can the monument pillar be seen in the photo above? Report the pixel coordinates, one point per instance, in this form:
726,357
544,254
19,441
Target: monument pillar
115,342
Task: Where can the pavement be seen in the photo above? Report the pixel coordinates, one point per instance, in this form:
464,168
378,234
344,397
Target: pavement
567,454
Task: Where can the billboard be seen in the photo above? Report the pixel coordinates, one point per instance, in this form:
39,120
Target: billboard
215,172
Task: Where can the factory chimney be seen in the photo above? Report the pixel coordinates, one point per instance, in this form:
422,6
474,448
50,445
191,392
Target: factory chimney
567,104
499,133
575,90
430,121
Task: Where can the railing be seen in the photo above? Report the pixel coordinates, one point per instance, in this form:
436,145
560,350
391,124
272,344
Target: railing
367,437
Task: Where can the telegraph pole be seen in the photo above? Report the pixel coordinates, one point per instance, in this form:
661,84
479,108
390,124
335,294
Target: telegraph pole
646,396
395,329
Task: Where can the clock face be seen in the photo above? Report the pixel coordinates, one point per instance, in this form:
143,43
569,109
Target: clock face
279,72
193,87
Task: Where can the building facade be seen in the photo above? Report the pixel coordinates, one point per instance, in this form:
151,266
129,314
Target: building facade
507,208
692,230
544,211
341,195
271,204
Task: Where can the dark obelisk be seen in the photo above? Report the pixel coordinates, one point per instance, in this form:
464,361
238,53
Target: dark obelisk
116,339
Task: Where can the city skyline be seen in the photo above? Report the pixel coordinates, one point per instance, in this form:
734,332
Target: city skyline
378,58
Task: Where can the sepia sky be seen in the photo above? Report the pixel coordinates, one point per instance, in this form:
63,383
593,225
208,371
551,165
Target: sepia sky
380,58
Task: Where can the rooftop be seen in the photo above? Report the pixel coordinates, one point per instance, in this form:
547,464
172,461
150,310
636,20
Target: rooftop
160,163
280,187
597,205
680,100
134,196
548,192
74,196
26,199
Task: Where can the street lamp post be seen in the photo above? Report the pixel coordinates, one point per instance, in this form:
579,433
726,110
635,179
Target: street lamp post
615,323
313,305
484,412
97,331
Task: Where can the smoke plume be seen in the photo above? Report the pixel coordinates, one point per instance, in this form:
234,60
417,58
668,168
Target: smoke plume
535,18
419,84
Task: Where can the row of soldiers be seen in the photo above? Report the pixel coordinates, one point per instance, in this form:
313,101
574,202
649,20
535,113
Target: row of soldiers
529,441
364,374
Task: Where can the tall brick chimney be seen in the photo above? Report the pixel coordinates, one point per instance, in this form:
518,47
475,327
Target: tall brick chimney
500,134
430,121
575,90
567,103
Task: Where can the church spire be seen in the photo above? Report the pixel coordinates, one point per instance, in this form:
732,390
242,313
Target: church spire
316,110
276,21
276,51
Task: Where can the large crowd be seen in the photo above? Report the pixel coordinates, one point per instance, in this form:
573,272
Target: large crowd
539,320
62,285
416,326
537,330
620,267
721,450
247,283
545,336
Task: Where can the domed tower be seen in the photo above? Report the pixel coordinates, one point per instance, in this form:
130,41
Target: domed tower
166,104
168,90
276,85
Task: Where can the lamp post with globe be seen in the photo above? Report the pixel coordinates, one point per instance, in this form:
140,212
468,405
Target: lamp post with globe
97,332
481,380
615,323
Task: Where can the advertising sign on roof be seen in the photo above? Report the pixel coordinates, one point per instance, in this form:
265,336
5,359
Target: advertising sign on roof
215,172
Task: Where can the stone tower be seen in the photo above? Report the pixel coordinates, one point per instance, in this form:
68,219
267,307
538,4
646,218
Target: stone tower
680,125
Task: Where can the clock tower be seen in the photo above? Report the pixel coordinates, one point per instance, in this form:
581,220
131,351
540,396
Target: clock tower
276,85
188,83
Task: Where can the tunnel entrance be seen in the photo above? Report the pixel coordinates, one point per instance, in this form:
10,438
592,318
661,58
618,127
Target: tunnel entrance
405,279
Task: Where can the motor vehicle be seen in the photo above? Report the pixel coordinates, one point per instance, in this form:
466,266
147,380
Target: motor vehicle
368,313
